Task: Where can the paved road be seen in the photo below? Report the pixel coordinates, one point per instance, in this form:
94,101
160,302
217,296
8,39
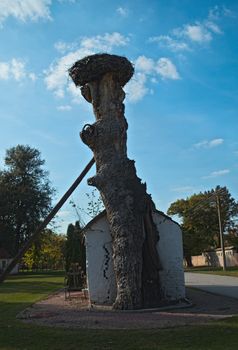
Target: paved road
222,285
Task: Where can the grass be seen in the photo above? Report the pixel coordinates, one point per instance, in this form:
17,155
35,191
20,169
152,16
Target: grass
230,271
20,291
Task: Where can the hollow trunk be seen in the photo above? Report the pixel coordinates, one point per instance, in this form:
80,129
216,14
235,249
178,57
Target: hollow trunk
128,206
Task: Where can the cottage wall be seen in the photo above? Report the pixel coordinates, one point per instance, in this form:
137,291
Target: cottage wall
100,273
99,264
170,250
4,263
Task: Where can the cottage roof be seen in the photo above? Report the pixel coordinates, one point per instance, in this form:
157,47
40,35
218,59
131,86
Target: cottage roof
104,213
95,219
4,254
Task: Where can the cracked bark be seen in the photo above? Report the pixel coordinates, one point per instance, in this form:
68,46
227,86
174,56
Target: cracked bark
128,206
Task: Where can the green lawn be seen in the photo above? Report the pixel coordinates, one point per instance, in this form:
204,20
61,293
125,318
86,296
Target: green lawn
230,271
20,291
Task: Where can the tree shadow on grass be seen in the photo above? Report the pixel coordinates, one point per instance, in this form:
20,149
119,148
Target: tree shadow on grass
29,287
218,336
38,274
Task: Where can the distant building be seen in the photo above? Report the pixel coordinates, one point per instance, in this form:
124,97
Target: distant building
214,258
100,272
5,260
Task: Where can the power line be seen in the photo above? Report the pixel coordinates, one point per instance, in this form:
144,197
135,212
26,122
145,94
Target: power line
199,205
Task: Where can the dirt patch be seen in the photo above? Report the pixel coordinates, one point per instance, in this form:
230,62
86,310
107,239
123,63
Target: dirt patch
75,313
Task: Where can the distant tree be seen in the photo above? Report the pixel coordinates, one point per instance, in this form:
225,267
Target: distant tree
200,219
46,253
25,196
75,247
232,237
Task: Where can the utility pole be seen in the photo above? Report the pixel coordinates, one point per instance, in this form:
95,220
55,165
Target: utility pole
221,231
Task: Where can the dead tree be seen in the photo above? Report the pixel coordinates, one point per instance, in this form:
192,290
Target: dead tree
128,206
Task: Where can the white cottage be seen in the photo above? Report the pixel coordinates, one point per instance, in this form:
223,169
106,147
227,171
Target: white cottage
100,272
5,260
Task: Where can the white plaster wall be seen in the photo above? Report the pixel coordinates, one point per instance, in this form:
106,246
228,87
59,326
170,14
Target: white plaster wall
100,273
14,271
170,250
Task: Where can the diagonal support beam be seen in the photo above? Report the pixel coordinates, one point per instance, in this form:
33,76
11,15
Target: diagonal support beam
47,220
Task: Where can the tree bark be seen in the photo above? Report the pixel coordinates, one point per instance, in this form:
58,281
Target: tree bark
128,206
188,259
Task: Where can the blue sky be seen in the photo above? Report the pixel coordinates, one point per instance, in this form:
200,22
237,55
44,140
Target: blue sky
181,104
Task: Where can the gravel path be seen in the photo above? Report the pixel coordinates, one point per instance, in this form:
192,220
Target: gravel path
75,313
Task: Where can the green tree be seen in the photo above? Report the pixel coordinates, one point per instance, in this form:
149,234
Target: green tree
200,219
26,196
75,247
46,253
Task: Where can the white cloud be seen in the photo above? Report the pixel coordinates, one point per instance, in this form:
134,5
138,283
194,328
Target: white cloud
201,144
4,71
104,42
213,27
57,75
209,144
154,80
75,93
63,47
162,67
217,12
217,173
123,11
197,33
167,69
18,69
227,12
136,88
56,78
190,35
64,108
200,32
24,10
169,42
214,13
144,64
15,69
32,76
147,67
215,142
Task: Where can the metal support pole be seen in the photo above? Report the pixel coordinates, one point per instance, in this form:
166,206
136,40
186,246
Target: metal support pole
221,232
44,223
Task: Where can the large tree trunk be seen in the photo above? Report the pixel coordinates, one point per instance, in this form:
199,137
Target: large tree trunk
128,206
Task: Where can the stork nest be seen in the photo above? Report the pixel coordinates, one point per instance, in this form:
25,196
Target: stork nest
92,68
